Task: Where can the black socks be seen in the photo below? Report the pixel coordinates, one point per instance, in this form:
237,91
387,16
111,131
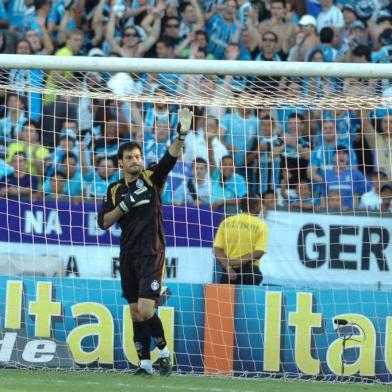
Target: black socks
157,332
142,339
142,333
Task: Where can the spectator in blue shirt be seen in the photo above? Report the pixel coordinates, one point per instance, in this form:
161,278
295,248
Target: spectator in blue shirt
322,156
303,198
106,146
195,191
57,15
384,55
76,175
23,79
191,17
313,7
5,169
270,52
181,170
58,182
165,50
171,29
347,127
228,187
241,127
333,202
157,141
67,144
316,87
222,29
12,123
237,83
265,156
326,39
342,38
296,154
161,112
35,19
347,180
40,45
383,22
105,173
16,10
20,183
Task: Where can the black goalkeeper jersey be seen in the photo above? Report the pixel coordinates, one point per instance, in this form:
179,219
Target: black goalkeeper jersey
142,227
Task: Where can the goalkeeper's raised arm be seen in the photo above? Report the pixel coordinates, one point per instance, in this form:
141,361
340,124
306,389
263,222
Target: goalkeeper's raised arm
134,202
124,195
185,117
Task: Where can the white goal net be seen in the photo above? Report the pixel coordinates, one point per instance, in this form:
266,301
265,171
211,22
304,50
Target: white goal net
315,145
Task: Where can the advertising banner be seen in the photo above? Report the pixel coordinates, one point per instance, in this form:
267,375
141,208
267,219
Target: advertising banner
329,248
85,322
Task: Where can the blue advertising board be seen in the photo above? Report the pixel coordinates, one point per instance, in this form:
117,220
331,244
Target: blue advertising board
69,223
273,330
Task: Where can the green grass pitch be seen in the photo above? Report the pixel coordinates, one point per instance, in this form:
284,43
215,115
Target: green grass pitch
48,381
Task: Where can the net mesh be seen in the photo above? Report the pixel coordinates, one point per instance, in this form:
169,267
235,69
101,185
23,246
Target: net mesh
318,150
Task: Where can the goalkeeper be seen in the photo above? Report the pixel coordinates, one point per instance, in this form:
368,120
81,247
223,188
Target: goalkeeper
134,201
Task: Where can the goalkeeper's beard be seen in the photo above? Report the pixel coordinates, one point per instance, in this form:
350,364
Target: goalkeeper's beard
134,170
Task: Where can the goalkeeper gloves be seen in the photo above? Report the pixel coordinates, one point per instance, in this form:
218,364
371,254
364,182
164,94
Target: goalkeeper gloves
135,199
184,123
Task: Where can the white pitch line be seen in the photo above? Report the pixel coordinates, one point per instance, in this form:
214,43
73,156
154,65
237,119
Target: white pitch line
121,385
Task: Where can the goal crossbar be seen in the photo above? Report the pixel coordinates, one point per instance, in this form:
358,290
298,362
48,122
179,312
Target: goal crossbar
208,67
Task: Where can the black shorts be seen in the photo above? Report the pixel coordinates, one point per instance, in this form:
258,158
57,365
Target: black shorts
141,276
247,274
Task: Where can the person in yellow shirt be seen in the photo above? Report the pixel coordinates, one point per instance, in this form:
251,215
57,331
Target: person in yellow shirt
240,242
28,143
57,79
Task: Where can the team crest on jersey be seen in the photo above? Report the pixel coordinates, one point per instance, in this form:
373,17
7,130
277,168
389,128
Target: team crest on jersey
154,285
139,183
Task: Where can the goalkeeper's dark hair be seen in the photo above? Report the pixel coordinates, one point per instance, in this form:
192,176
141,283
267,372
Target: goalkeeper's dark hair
249,202
128,146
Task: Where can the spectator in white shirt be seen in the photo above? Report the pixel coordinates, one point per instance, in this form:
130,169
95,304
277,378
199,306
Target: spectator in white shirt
372,200
330,16
206,143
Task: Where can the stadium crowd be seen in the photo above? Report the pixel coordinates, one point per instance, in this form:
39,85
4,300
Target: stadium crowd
56,146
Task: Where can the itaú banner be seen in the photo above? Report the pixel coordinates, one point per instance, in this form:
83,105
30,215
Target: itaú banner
212,329
329,248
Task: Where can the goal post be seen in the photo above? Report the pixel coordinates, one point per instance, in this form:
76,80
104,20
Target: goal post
313,139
